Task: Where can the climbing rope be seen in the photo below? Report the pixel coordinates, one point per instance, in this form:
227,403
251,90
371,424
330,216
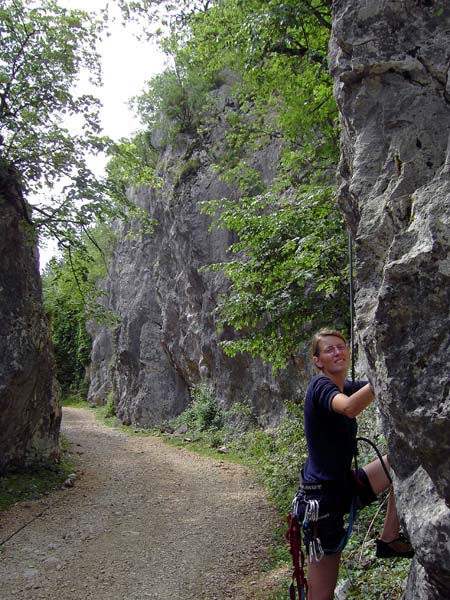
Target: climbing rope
352,345
352,307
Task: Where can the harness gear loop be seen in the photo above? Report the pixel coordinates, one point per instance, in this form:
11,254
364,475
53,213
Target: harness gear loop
294,538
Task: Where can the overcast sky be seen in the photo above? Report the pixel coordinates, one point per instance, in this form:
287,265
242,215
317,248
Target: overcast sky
127,64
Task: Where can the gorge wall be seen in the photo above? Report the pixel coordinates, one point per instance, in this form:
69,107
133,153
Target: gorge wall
167,341
30,411
390,62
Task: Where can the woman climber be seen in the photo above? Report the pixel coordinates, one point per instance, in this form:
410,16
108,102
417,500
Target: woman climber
329,487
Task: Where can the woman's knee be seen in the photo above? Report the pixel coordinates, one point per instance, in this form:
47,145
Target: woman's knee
377,476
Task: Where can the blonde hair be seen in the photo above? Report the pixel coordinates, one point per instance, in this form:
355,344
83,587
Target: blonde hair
315,341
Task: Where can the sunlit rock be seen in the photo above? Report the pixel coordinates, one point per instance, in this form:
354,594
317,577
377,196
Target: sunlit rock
167,340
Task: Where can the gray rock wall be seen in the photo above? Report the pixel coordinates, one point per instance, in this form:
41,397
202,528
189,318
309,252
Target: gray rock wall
30,411
390,62
167,340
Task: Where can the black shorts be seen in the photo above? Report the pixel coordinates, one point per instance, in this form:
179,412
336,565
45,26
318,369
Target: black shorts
335,501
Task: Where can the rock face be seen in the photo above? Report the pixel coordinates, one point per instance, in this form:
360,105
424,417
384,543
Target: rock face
390,63
30,411
167,340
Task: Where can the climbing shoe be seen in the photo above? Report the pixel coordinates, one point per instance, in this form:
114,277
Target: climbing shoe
400,548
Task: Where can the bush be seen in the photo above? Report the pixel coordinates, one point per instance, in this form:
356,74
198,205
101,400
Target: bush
204,413
279,457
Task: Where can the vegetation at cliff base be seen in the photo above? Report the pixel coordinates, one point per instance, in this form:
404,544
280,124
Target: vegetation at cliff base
73,297
276,455
17,487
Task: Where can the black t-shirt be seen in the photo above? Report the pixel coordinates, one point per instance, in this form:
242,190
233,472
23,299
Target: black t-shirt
331,436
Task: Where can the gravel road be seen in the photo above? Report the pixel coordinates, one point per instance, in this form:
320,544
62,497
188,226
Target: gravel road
144,520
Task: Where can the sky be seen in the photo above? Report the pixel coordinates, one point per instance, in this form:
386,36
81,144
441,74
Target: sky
127,64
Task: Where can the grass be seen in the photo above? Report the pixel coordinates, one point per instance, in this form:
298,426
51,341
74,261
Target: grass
34,483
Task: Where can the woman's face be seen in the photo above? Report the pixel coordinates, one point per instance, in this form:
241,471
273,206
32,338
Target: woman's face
334,356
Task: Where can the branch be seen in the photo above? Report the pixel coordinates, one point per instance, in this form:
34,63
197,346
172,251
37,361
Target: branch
72,268
319,16
94,241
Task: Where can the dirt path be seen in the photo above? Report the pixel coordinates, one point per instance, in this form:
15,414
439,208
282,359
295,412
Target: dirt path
143,521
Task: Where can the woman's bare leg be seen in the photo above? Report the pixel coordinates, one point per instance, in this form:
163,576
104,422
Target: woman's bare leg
322,577
391,528
379,482
377,476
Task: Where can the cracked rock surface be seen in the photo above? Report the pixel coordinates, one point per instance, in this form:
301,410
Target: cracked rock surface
390,63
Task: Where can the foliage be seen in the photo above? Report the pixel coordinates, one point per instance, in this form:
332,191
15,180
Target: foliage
131,162
289,274
364,576
110,408
278,456
288,269
43,48
29,485
71,298
174,100
48,130
74,400
156,16
204,412
42,51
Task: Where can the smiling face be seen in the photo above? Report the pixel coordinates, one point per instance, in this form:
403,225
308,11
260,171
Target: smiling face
332,356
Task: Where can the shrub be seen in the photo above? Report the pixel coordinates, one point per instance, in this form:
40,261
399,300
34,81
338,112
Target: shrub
279,457
204,413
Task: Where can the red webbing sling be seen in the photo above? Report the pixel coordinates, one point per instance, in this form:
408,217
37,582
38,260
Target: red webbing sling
294,539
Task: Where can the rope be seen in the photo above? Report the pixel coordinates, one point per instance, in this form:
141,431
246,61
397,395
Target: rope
352,308
2,542
352,344
378,453
294,538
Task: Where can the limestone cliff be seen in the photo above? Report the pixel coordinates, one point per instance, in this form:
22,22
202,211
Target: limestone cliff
30,412
390,62
167,339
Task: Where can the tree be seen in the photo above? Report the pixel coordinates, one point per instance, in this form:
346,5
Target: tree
288,271
71,298
47,130
131,162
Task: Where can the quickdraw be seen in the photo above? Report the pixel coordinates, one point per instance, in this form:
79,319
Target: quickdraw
315,551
